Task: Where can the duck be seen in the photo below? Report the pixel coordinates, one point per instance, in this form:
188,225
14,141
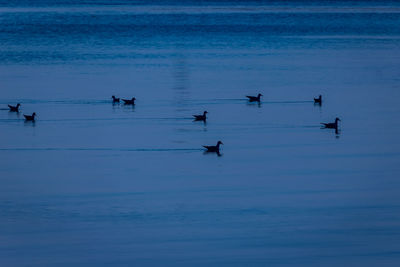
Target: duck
331,125
201,117
318,100
115,100
254,98
14,109
30,117
129,101
213,148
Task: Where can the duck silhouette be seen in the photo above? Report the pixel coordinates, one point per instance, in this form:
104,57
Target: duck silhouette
201,117
213,148
129,101
14,108
254,98
30,117
318,100
331,125
115,100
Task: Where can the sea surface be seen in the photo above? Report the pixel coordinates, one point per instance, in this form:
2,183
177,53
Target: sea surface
96,184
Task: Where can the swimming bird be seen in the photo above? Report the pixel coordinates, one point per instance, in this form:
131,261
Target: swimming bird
254,98
30,117
332,125
115,100
213,148
129,101
201,117
14,109
318,100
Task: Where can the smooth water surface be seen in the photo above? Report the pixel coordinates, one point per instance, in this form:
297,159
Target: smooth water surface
96,184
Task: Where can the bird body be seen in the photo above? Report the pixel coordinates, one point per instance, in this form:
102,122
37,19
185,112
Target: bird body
331,125
213,148
129,101
254,98
30,117
14,108
201,117
318,100
115,100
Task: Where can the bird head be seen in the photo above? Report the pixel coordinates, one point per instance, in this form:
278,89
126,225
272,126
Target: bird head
219,143
337,119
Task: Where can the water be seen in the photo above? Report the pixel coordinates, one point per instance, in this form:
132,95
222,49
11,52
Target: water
91,183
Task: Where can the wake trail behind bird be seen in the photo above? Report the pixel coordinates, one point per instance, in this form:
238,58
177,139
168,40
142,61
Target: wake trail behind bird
287,102
60,101
241,100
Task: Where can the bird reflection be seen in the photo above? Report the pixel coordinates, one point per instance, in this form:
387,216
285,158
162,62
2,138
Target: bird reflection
337,132
204,121
317,104
128,107
254,104
29,123
213,153
14,113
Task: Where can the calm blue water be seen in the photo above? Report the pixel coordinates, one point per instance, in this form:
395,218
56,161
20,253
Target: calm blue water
96,184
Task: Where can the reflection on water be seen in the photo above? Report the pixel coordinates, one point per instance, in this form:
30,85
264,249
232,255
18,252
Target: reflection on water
128,108
254,104
337,132
319,104
180,82
219,154
204,122
29,123
13,114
